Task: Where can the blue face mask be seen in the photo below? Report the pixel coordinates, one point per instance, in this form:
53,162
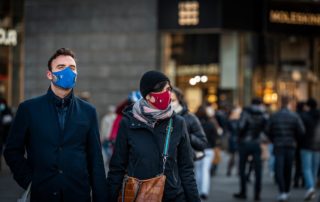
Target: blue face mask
65,79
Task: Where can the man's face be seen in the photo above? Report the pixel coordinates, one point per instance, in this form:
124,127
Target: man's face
60,63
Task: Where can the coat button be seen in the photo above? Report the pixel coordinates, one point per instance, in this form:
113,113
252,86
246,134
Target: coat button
60,148
60,171
54,193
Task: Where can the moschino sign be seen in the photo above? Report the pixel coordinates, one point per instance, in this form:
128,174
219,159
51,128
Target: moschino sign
8,37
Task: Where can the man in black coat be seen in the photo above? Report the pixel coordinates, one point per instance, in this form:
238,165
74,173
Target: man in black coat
251,125
285,129
60,135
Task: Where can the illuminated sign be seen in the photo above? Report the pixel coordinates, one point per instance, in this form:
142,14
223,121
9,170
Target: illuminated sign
297,18
8,37
188,13
210,69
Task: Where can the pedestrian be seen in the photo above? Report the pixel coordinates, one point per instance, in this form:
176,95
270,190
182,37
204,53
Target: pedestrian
232,128
251,126
6,118
310,148
197,136
141,141
59,131
203,166
284,129
298,176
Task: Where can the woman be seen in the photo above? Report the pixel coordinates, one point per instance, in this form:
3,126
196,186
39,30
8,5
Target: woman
203,166
140,141
198,139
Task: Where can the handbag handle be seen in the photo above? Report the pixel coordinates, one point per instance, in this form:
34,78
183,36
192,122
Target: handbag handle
166,145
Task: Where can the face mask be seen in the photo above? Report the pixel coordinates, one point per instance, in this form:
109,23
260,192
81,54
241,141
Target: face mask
65,79
162,100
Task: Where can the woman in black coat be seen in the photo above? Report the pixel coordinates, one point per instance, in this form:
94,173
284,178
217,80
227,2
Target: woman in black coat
140,141
197,136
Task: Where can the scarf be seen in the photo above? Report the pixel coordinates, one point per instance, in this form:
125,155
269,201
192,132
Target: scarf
145,113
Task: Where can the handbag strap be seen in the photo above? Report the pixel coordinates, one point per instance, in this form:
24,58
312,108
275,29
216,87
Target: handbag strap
166,145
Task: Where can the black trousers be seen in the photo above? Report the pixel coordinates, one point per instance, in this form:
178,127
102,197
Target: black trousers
245,150
284,158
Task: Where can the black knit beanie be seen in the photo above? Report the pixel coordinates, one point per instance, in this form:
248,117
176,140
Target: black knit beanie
149,80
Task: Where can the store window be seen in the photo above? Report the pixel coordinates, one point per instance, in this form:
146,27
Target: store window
11,31
191,60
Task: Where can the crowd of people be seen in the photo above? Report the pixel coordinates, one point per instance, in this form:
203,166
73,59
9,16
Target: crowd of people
152,133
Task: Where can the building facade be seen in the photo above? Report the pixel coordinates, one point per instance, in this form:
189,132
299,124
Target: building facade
217,51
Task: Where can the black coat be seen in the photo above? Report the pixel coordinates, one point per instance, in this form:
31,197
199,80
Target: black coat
285,128
311,140
197,136
62,165
252,124
138,153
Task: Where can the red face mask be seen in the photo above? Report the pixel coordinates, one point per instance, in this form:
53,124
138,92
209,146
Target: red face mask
162,100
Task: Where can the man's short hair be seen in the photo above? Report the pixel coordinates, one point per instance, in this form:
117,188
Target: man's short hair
285,100
61,51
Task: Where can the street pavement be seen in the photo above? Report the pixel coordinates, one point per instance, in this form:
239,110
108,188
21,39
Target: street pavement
222,187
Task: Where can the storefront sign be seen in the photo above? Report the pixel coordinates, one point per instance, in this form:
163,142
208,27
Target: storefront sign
188,13
297,18
293,17
210,69
8,37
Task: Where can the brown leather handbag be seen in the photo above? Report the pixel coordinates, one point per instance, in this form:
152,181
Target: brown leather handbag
151,190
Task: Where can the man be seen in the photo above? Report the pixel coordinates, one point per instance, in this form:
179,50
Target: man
285,129
251,125
310,148
61,137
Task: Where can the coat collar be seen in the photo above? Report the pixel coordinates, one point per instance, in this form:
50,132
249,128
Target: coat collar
60,102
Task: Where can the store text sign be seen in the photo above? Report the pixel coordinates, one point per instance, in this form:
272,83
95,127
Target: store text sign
8,37
301,18
292,17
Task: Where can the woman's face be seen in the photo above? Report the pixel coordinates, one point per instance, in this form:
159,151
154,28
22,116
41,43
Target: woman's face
160,99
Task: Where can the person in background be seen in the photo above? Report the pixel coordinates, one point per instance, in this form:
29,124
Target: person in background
105,131
85,95
6,118
284,129
298,176
310,148
232,127
252,123
140,140
133,97
54,143
203,166
198,138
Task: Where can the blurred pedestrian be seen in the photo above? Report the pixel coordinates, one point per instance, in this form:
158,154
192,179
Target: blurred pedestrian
6,118
105,131
140,141
298,176
251,126
59,131
284,129
233,130
203,166
310,148
197,136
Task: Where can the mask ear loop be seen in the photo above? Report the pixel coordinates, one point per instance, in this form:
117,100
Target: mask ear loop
54,77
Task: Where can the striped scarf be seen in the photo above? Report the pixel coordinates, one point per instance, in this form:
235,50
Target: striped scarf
145,113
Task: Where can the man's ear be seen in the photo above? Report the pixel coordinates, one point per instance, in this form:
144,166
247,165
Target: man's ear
49,75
